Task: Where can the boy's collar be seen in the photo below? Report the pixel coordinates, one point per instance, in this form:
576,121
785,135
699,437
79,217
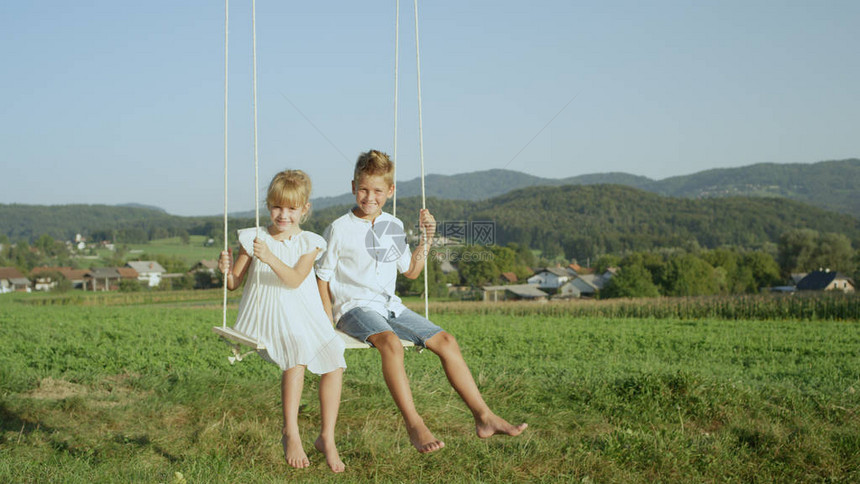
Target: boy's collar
353,216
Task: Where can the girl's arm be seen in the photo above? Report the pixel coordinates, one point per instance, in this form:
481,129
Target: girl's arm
235,274
291,276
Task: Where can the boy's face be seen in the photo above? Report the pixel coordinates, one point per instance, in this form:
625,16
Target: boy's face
371,193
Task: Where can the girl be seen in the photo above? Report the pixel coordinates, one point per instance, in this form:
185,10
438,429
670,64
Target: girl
284,311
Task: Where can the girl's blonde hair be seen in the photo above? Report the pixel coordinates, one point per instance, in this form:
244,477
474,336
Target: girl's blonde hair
290,188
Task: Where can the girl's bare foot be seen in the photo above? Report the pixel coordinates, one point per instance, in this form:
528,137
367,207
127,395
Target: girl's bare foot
332,458
294,453
423,440
494,425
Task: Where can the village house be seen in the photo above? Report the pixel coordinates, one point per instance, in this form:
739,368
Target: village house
148,271
204,270
826,280
45,278
586,284
102,279
578,269
528,292
551,278
76,276
508,278
209,266
581,286
127,273
12,280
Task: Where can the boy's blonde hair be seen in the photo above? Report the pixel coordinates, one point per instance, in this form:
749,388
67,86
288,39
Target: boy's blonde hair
290,188
374,163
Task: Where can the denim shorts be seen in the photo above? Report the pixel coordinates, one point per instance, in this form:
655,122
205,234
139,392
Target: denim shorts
409,325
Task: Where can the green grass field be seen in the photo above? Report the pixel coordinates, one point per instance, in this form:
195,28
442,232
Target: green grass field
190,253
141,392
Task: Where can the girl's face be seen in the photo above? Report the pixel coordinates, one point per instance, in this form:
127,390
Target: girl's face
286,219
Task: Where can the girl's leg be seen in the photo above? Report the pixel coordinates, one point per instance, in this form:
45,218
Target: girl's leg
292,382
330,387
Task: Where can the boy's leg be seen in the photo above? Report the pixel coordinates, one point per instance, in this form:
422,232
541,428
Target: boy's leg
446,347
330,388
372,327
393,371
292,382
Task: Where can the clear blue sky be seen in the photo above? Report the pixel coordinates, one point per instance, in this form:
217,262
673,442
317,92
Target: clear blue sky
117,102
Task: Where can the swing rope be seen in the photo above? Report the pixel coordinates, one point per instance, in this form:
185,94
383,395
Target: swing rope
256,150
396,85
421,159
225,332
229,333
226,64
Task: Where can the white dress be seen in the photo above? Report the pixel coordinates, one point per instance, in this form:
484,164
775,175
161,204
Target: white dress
291,323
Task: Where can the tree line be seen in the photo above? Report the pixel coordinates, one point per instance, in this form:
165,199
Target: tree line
561,224
678,271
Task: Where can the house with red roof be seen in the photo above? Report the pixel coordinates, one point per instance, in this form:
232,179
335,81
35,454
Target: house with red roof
11,280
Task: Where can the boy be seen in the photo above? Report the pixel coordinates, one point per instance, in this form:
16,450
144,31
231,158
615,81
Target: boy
366,248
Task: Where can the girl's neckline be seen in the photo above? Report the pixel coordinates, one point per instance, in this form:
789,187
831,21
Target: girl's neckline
289,238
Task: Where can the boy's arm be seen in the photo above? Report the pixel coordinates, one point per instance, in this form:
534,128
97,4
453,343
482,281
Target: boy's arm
416,264
325,270
325,296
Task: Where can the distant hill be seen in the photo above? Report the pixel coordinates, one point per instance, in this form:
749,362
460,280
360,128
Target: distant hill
584,221
481,185
589,220
576,220
140,205
828,184
62,222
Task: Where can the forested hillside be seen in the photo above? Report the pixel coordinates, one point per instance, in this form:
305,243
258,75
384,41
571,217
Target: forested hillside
832,185
570,221
828,184
98,222
482,185
587,221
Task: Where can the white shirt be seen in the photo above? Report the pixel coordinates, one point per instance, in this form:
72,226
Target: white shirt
362,261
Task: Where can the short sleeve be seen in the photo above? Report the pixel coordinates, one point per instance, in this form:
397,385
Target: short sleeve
246,239
326,263
313,241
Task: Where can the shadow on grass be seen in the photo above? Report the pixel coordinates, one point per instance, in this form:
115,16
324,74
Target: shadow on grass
12,421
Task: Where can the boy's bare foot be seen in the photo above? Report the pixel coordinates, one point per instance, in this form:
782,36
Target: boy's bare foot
423,440
294,453
493,425
329,449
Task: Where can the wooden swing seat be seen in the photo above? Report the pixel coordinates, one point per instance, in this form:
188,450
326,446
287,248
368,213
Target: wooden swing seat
241,338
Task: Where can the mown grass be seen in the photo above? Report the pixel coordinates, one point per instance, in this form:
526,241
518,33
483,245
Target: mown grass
191,253
139,393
